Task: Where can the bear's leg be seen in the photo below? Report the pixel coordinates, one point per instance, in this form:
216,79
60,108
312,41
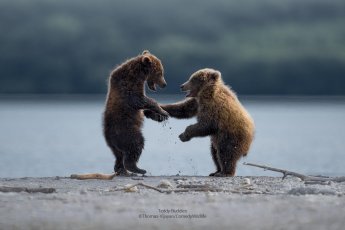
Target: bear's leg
215,160
228,157
119,167
133,152
229,165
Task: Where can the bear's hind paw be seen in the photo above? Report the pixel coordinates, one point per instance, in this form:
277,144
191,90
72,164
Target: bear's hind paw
122,172
213,174
221,174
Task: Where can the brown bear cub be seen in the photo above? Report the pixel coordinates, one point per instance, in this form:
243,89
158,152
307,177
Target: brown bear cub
126,100
219,115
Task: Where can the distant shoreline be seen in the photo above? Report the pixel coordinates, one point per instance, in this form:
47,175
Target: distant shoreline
167,96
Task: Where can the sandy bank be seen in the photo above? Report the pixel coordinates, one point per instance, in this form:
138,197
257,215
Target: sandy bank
267,203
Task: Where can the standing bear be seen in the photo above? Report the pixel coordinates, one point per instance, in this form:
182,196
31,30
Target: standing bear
219,115
126,100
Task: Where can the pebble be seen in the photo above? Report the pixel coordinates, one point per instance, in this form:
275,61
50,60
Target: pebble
164,184
128,188
246,181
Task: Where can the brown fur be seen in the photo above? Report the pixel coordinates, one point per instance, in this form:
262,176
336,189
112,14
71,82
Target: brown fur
126,99
219,114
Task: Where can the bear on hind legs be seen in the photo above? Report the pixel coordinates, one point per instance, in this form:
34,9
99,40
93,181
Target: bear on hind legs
219,115
123,115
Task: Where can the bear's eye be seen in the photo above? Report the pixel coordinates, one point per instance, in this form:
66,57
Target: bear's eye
196,80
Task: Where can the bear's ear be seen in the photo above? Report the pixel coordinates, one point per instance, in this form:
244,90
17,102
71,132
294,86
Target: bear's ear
146,60
146,52
214,76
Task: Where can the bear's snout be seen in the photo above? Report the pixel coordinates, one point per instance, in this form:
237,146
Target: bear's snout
163,84
183,87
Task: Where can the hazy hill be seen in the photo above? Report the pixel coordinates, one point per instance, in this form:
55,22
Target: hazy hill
261,47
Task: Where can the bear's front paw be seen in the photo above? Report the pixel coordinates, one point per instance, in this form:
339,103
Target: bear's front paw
164,115
154,116
149,114
183,137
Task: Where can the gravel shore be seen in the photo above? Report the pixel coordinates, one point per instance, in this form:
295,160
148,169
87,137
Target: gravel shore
196,203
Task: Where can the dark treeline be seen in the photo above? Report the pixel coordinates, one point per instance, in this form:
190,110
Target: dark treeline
260,46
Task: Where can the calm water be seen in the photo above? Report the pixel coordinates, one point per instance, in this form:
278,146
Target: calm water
50,137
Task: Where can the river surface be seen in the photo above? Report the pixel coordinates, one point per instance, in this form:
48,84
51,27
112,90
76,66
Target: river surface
57,136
